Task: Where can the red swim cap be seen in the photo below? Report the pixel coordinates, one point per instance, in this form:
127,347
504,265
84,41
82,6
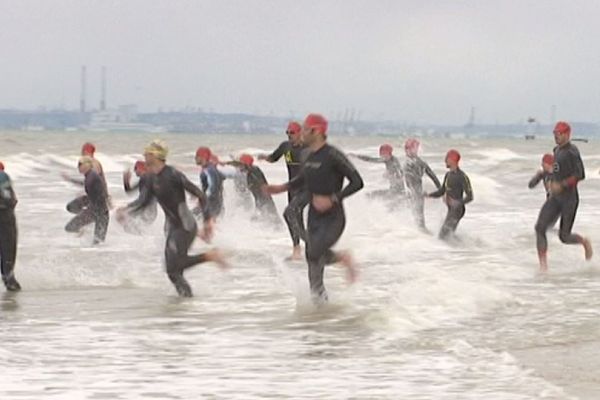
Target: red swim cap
317,122
88,149
548,159
293,128
563,128
247,159
385,150
214,159
204,153
453,155
139,166
411,146
1,166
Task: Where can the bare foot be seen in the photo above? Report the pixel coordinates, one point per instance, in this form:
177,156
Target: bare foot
587,245
205,235
296,255
346,260
217,257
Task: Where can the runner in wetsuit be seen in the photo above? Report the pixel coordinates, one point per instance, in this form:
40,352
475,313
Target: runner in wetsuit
414,169
168,186
564,198
133,222
265,206
323,176
8,232
294,152
91,207
457,192
393,172
88,150
212,186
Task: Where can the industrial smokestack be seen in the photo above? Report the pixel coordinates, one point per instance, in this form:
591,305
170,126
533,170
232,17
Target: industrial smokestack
82,96
103,90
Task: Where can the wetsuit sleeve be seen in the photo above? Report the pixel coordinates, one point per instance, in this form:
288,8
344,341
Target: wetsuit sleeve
128,187
75,181
145,197
345,167
468,189
204,181
276,155
8,199
578,171
431,175
297,182
370,159
233,163
441,190
536,179
191,188
229,173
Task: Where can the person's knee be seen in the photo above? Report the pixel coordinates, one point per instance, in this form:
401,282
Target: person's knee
564,236
288,213
312,254
540,227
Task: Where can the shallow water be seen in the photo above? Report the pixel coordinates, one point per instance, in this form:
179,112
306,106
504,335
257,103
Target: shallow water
427,320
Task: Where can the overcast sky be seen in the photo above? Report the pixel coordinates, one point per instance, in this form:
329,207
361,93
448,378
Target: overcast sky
420,61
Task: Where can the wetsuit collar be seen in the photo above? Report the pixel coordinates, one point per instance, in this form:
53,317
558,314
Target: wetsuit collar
319,147
564,144
161,169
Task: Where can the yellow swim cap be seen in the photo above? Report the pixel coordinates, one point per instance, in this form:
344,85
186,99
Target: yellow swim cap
157,148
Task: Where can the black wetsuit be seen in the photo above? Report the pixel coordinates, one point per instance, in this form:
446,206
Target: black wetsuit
92,207
414,169
323,173
264,202
294,156
568,169
8,233
458,191
212,185
148,214
394,174
169,187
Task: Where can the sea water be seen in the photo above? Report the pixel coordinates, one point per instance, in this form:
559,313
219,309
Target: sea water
470,319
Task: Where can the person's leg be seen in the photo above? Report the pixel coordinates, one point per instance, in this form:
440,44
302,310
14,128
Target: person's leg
77,205
8,250
567,219
323,232
548,213
79,221
293,216
101,226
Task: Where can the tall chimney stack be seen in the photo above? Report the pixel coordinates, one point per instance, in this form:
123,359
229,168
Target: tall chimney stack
103,90
82,96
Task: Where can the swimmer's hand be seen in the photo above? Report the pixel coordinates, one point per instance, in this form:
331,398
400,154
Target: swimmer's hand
322,203
555,188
